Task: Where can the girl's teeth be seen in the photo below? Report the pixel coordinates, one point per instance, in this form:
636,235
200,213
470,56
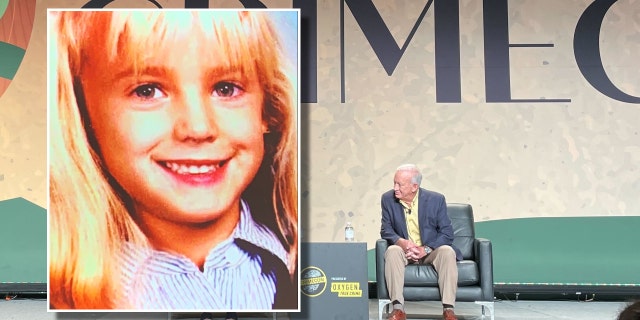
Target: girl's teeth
192,169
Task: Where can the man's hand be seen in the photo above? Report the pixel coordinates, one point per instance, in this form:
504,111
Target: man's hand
412,251
416,253
405,244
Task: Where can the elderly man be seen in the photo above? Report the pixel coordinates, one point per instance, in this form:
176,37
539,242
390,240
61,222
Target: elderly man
418,229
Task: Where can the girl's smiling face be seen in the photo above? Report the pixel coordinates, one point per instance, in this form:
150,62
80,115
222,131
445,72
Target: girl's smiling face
180,130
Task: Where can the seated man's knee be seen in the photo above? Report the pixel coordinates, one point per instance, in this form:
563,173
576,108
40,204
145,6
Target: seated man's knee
447,251
393,250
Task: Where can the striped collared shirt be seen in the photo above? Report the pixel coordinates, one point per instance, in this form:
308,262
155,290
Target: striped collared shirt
232,279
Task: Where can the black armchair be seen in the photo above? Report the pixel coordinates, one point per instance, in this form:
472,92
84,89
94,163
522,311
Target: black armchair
475,271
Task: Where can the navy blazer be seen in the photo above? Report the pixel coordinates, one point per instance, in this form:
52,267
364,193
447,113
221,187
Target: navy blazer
435,225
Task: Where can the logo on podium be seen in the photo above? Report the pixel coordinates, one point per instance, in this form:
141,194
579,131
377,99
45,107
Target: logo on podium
313,281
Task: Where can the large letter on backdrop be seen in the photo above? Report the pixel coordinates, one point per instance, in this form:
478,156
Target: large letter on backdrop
586,48
496,53
447,42
377,33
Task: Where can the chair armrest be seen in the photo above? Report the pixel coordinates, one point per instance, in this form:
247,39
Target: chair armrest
381,284
484,259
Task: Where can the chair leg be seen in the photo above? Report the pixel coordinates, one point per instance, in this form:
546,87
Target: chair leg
487,305
383,304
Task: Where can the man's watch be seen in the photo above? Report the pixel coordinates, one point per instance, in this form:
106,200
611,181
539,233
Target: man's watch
427,249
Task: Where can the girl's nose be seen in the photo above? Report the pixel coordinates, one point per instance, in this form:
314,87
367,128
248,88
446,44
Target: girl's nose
195,120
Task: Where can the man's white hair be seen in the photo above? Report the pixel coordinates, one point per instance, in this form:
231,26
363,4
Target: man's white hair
416,177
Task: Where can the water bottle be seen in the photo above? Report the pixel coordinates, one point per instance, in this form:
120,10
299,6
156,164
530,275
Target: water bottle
349,233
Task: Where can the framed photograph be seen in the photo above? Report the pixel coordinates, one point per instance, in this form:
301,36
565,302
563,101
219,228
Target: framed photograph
173,160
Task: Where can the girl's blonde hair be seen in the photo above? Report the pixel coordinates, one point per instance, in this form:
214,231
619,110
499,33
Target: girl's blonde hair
89,220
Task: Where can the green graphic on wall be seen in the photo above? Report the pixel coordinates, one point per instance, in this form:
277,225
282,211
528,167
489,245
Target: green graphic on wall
23,242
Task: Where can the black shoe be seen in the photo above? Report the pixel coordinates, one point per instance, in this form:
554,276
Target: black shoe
231,316
206,316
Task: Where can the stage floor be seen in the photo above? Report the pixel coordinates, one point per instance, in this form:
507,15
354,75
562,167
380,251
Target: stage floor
21,309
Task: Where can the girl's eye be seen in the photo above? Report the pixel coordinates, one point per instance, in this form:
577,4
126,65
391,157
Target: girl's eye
148,91
226,89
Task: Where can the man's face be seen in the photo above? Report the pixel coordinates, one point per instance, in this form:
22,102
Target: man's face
404,189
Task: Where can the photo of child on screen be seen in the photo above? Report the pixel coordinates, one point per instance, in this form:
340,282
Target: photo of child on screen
173,160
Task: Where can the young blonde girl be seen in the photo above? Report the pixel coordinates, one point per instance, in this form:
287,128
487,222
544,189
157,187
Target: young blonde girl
108,248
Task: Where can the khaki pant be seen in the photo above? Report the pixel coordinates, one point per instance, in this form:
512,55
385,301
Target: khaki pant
443,260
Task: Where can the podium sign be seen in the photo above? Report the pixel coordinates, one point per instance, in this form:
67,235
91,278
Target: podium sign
333,282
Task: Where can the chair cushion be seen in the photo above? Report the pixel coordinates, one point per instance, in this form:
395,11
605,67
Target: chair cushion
425,275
